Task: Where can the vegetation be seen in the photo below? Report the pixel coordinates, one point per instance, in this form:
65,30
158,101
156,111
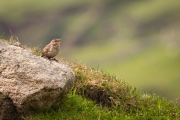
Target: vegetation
74,107
137,41
99,95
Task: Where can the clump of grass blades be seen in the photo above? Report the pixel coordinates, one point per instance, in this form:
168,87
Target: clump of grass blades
15,41
104,89
110,91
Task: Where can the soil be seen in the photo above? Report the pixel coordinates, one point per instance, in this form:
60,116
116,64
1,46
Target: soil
7,109
97,94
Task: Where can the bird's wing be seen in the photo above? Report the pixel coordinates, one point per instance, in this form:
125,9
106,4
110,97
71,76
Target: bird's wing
46,49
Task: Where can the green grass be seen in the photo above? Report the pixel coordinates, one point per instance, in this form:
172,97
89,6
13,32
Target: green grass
74,107
99,95
153,68
108,35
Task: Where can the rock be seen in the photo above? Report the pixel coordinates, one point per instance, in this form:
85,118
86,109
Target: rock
8,110
32,81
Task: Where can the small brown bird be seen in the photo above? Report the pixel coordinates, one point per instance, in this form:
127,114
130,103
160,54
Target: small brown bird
52,49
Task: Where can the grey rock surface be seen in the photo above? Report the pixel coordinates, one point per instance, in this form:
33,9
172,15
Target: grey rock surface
32,81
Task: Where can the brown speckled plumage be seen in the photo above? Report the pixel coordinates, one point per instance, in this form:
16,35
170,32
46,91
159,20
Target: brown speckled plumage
52,49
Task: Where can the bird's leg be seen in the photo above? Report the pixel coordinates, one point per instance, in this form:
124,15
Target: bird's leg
45,57
54,59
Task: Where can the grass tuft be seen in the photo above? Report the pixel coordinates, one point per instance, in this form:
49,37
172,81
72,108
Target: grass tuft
14,41
104,89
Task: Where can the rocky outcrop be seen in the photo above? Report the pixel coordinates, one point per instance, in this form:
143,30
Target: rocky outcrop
32,81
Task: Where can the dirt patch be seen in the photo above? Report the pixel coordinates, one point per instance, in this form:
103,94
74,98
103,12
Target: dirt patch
7,109
97,94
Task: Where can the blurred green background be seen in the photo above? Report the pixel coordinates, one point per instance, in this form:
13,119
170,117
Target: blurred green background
136,40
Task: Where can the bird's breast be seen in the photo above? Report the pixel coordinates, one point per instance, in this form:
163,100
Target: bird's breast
53,51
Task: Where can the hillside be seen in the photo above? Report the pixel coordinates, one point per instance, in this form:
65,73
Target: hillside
99,95
137,41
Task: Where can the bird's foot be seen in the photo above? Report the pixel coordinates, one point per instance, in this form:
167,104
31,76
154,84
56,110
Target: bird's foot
54,59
